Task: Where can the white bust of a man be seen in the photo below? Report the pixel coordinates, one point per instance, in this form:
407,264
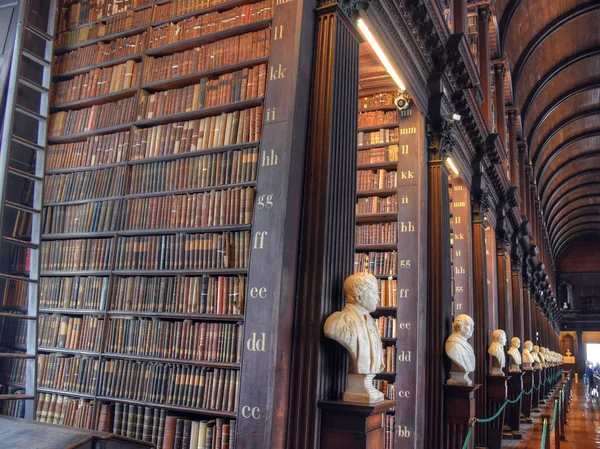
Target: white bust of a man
537,363
496,351
515,355
528,360
460,351
542,355
354,328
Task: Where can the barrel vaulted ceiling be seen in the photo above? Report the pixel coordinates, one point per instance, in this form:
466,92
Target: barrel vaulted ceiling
553,49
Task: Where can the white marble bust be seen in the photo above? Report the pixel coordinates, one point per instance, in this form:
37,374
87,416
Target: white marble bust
460,351
537,363
515,355
527,356
542,355
356,330
496,352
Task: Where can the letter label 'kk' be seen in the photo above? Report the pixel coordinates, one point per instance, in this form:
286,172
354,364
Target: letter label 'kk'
277,73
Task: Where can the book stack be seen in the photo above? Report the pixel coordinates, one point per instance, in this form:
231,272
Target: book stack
379,233
381,179
377,204
152,164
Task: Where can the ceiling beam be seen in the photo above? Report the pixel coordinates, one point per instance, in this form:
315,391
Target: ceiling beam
578,211
575,176
547,77
559,222
549,211
549,29
562,247
564,231
505,20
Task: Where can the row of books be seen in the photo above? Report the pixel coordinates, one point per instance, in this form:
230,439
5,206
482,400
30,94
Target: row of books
216,55
186,340
376,100
92,118
70,332
388,292
377,263
389,359
179,7
68,373
79,254
115,24
211,170
220,295
210,23
98,216
183,251
387,388
214,208
13,370
16,294
383,136
374,118
232,87
390,431
376,179
95,150
19,259
377,204
97,82
133,421
72,14
387,327
228,128
172,384
84,185
389,153
373,234
65,411
12,331
79,293
16,409
189,434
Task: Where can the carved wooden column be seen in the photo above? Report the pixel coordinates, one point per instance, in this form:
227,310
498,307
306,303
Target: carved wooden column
328,227
513,154
483,49
504,287
517,292
523,184
459,12
438,280
499,73
480,303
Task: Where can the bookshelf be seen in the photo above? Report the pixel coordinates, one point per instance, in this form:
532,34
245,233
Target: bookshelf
153,155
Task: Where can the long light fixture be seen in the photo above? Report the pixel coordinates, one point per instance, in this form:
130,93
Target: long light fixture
452,166
364,29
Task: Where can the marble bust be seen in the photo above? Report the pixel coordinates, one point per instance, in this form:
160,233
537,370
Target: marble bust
356,330
496,352
568,354
527,356
515,355
460,352
542,355
537,363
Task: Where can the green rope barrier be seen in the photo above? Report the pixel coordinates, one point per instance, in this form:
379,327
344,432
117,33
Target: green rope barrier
554,416
544,430
469,435
502,407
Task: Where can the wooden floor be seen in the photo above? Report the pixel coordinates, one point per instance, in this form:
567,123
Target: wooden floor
583,431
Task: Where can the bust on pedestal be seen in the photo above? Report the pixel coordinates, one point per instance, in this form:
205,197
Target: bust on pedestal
460,351
528,360
515,355
496,352
537,362
355,330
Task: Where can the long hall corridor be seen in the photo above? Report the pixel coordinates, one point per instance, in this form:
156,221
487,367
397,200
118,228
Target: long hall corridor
583,431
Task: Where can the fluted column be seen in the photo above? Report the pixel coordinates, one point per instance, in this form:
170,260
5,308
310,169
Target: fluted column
480,303
513,153
483,50
438,281
499,73
504,287
461,24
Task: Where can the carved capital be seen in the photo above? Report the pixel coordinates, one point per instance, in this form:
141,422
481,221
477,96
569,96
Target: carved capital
480,203
500,68
484,11
522,147
438,138
512,196
349,7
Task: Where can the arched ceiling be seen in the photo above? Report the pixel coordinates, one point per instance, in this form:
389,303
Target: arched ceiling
553,48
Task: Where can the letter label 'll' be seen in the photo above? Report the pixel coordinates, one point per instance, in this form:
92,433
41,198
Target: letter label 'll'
277,32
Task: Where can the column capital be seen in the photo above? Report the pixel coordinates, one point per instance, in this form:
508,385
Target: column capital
485,12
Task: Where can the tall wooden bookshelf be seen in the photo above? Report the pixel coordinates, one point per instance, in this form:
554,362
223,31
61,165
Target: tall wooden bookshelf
151,192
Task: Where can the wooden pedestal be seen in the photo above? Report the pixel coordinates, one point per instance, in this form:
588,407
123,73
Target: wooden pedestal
543,385
526,399
353,426
512,416
535,394
459,409
497,394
